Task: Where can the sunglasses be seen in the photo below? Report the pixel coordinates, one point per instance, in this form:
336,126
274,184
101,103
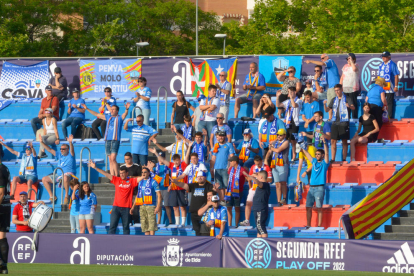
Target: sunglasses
318,154
291,71
219,118
323,57
63,149
317,70
107,91
140,121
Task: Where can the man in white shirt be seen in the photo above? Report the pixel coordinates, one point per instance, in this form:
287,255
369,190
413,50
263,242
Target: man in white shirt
209,107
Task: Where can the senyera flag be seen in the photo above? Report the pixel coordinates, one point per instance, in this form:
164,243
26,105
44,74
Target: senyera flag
207,73
380,205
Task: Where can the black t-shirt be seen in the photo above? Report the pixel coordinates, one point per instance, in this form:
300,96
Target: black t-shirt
199,195
134,170
338,116
368,125
261,197
181,111
5,182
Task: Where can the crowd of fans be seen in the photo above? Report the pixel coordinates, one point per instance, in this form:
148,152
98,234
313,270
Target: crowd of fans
204,144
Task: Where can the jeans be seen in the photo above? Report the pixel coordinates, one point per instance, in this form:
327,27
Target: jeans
390,103
140,159
208,125
116,214
73,122
74,223
36,124
48,139
354,97
146,113
99,123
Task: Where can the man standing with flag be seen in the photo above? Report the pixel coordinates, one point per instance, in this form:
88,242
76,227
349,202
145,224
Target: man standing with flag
255,84
223,93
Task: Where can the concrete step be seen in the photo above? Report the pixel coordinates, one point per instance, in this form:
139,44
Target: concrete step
105,200
403,221
407,213
165,138
164,131
102,187
399,228
394,236
104,193
59,222
57,229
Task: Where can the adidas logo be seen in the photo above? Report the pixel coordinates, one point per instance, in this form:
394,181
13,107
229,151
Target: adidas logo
401,261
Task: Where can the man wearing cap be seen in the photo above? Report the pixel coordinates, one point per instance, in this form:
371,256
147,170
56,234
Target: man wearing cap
260,201
105,109
5,210
49,101
217,220
220,154
76,114
340,120
279,153
257,167
28,167
247,149
221,126
332,76
178,198
112,134
22,212
142,135
67,162
389,71
350,83
223,93
269,129
59,85
198,190
234,192
255,84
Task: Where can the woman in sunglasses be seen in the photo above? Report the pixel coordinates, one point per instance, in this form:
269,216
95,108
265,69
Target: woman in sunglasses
288,81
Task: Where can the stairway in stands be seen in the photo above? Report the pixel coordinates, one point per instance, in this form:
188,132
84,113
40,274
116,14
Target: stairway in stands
402,227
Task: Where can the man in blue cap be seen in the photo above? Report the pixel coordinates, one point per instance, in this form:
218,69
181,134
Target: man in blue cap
28,167
389,71
22,212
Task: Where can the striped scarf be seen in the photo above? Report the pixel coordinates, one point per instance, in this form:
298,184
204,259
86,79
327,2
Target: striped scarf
115,132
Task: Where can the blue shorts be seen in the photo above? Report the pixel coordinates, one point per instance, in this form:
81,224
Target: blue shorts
233,202
316,195
249,162
221,177
111,146
27,177
280,173
178,198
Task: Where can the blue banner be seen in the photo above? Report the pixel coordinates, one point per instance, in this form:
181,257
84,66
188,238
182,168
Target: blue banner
271,66
24,81
119,74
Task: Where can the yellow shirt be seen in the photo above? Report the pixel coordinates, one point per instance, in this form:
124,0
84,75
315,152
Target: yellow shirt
312,152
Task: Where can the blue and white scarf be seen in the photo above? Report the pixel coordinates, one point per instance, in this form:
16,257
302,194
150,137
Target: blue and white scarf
178,150
192,174
343,110
187,131
223,96
199,149
288,113
233,187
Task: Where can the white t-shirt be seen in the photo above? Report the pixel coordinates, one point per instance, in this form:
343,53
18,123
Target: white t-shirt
210,116
201,166
350,79
296,110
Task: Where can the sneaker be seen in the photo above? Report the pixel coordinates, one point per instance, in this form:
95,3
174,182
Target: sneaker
223,203
4,270
245,223
12,197
42,155
307,227
283,202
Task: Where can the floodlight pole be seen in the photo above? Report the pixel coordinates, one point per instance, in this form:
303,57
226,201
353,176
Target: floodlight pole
196,27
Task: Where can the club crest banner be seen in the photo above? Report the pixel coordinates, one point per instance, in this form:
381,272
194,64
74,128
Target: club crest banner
271,66
119,74
18,81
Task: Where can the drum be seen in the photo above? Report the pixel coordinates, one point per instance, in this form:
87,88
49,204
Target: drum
40,217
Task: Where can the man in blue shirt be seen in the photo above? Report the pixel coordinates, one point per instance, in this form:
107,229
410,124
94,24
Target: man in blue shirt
112,134
220,126
67,162
149,200
142,135
247,149
105,108
389,71
255,84
217,219
316,192
332,76
221,152
308,110
76,114
28,168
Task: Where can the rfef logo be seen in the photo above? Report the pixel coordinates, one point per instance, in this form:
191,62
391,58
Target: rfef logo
22,252
258,254
370,72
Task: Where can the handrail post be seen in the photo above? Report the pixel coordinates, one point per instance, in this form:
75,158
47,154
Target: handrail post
339,228
133,114
30,193
158,106
53,184
80,165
